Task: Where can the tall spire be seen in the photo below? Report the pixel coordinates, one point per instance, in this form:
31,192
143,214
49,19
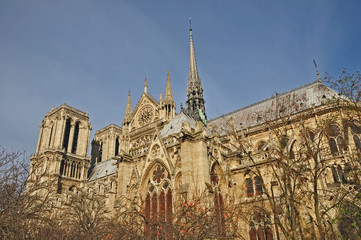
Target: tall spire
193,72
195,101
168,89
128,111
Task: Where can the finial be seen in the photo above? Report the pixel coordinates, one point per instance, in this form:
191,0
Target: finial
129,92
190,24
160,96
318,74
145,86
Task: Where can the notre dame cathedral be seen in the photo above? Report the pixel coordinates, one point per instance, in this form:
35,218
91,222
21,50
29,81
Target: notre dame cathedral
158,154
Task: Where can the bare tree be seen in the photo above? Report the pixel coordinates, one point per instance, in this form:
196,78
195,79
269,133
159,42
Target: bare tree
302,153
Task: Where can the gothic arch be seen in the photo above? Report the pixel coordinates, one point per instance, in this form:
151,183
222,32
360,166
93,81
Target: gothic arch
260,225
220,174
66,134
75,136
147,174
355,128
335,138
51,132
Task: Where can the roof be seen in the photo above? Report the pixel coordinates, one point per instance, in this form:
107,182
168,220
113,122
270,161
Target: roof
175,125
64,105
296,100
103,169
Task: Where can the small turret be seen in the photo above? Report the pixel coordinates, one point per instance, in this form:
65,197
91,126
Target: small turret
167,104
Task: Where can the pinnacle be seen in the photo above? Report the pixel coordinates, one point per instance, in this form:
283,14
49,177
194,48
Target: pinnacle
168,89
128,110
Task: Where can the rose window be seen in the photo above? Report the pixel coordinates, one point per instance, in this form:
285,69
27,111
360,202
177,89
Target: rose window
158,174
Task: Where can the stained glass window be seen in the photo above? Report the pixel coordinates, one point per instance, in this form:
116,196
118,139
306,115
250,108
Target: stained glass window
158,174
249,185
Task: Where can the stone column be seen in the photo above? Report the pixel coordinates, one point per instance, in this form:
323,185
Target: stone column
61,130
71,137
86,144
52,141
123,177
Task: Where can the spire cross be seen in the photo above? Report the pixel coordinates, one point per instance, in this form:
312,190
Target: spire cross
318,74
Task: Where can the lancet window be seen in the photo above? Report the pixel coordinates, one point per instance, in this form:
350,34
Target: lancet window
158,201
335,139
252,185
356,134
51,134
116,147
342,175
75,138
66,134
100,152
260,227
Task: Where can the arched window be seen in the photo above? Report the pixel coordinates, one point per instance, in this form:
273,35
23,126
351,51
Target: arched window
158,201
253,185
252,233
291,152
75,138
356,134
249,185
100,152
66,134
338,175
335,139
51,134
260,227
258,183
116,147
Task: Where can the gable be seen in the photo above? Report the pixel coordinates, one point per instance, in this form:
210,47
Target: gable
145,112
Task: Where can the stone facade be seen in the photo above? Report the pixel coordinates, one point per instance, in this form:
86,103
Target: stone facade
160,154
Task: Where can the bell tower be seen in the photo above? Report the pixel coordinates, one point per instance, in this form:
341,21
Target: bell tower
62,150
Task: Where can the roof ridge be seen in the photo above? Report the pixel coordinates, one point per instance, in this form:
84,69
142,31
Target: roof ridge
267,99
70,107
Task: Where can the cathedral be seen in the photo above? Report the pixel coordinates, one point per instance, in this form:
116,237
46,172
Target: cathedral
158,154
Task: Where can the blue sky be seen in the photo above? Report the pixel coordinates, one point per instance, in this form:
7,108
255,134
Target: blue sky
90,53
